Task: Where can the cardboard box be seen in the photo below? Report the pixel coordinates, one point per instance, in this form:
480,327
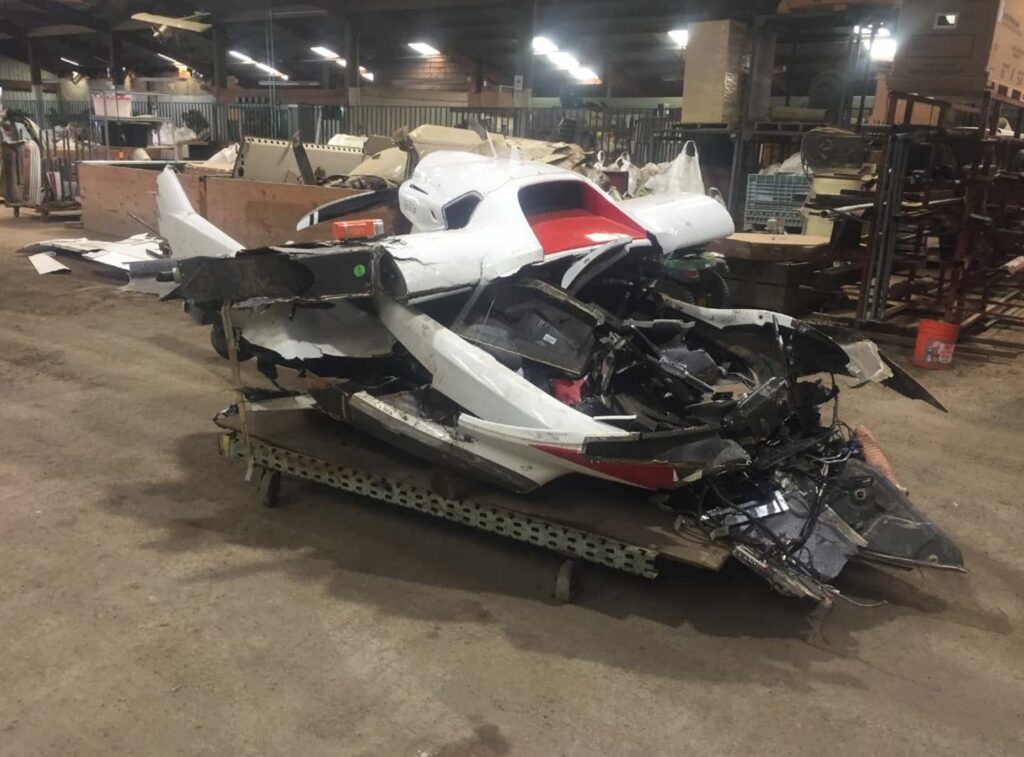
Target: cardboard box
491,98
715,58
960,47
921,115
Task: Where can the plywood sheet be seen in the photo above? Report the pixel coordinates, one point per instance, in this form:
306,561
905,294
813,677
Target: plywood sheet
780,248
109,193
258,213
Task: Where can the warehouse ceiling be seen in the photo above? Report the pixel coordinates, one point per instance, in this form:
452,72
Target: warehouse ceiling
629,37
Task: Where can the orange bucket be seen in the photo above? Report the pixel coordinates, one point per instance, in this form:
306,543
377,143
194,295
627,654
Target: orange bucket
936,341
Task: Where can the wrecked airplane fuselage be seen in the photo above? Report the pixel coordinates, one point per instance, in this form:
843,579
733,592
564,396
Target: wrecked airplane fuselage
525,333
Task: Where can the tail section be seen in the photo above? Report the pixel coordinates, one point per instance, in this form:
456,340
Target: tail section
188,233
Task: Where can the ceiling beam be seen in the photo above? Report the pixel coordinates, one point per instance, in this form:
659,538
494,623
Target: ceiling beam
66,14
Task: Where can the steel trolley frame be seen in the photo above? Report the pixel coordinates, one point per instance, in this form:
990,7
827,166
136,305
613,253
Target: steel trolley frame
285,443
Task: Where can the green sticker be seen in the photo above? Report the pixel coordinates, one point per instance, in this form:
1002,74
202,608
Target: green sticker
359,270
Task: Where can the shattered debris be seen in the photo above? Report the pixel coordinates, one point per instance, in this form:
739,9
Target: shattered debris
530,329
134,249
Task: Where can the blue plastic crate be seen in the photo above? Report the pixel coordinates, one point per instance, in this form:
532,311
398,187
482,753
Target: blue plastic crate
780,196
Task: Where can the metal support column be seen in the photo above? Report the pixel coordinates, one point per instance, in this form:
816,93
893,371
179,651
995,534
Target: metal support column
524,65
875,286
36,75
478,75
352,60
219,123
220,56
116,66
763,55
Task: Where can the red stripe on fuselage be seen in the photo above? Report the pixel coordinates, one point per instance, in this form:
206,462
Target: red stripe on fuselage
648,476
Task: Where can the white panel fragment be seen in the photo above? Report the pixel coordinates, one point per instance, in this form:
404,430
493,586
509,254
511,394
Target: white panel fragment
187,232
116,254
46,263
310,333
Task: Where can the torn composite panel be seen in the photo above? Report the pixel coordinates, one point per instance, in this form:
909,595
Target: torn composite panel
537,322
518,458
756,334
120,254
187,233
310,273
309,333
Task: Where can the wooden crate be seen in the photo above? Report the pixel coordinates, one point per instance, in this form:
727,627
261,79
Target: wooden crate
110,195
255,213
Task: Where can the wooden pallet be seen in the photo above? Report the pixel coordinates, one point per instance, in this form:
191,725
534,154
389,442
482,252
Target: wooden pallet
1007,94
788,126
702,126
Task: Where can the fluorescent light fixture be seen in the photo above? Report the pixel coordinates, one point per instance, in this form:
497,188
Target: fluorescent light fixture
368,75
883,49
323,52
289,83
178,63
864,33
341,62
681,37
261,66
544,46
270,70
73,63
563,60
585,75
424,49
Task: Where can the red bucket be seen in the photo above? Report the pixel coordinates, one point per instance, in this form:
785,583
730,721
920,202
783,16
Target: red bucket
936,341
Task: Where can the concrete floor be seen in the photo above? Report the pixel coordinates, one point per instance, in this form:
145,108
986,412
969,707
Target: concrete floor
148,605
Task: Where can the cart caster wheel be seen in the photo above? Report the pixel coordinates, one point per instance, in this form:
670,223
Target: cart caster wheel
567,582
451,485
270,488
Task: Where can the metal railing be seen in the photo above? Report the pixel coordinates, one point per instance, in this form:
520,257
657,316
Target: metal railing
612,130
55,112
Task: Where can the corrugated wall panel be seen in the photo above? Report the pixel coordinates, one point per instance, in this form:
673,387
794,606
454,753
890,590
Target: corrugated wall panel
15,70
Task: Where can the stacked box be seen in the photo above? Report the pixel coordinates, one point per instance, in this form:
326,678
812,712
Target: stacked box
716,56
960,47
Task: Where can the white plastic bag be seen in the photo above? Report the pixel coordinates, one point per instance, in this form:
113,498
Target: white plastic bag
623,163
682,175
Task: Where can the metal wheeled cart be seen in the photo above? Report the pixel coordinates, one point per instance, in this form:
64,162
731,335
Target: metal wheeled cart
582,519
